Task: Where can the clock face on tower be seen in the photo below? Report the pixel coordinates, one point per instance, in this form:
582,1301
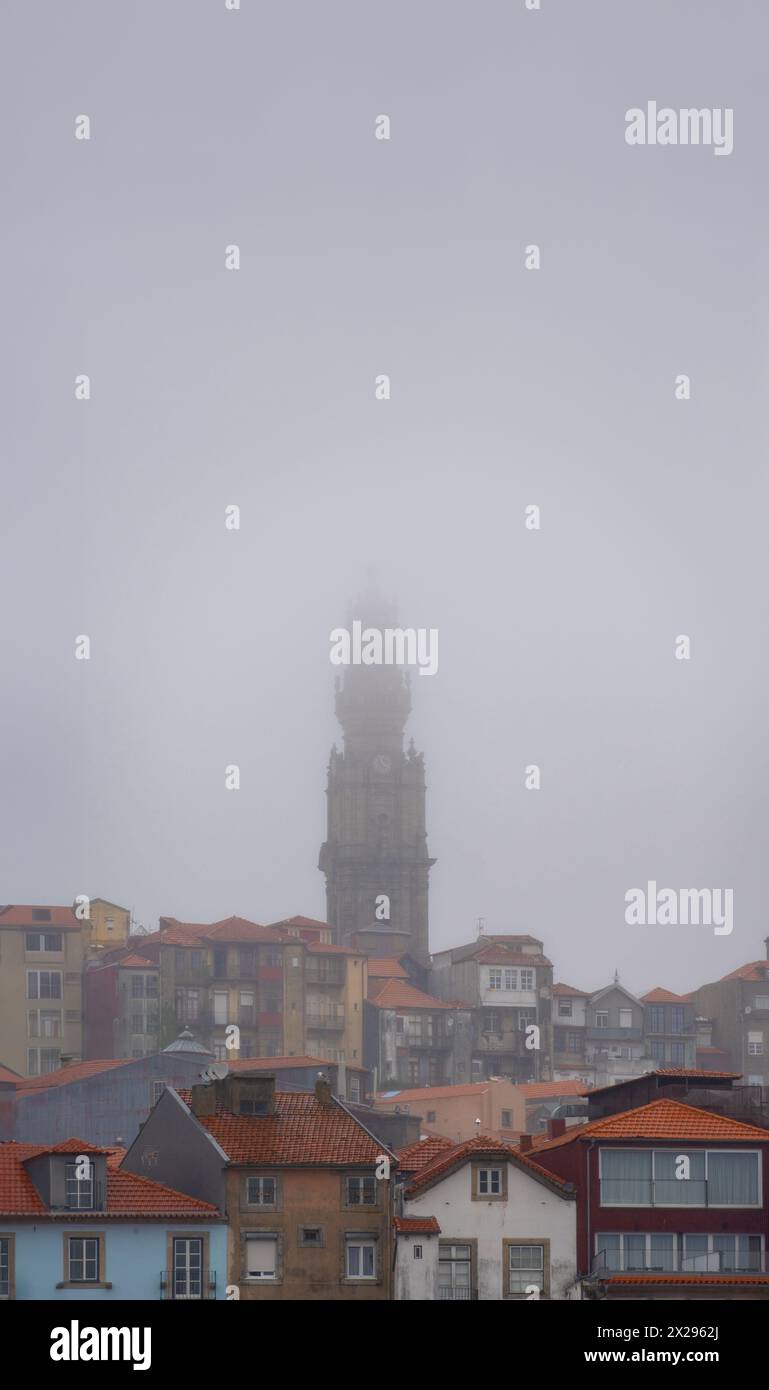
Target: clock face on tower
382,762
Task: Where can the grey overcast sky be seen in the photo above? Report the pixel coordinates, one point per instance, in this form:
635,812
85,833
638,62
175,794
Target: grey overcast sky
509,387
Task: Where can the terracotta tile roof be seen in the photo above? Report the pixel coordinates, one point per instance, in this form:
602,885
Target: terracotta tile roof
569,992
302,1132
301,922
7,1075
663,1119
267,1064
756,972
234,929
135,962
695,1280
416,1156
75,1071
127,1194
416,1226
658,995
540,1090
426,1093
505,955
18,916
386,968
397,994
481,1145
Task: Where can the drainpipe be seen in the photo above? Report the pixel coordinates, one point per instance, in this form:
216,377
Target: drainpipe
589,1196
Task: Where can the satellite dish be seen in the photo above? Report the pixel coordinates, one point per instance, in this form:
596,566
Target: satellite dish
216,1072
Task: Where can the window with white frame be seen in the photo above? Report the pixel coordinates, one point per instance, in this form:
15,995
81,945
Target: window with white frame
261,1192
51,942
761,1002
44,1023
526,979
454,1271
83,1259
188,1266
495,979
659,1177
755,1044
511,979
489,1182
360,1257
626,1018
44,984
261,1257
526,1269
361,1192
79,1185
41,1061
5,1266
564,1008
602,1019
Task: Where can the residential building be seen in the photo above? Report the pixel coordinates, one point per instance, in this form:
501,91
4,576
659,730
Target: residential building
480,1220
104,1100
121,999
375,857
670,1030
41,1003
460,1112
506,982
75,1227
107,926
719,1092
670,1202
348,1081
411,1038
307,1190
570,1034
614,1035
737,1007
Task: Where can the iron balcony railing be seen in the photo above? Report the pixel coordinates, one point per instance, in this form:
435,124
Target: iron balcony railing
325,1020
669,1262
186,1286
457,1295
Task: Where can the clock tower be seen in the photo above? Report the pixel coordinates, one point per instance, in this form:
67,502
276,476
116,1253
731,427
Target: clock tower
375,855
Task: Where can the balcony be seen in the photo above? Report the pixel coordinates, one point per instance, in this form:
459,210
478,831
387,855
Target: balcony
199,975
424,1038
327,1019
616,1035
203,1283
457,1295
669,1262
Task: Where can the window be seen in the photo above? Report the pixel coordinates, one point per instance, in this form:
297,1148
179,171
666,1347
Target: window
247,960
431,1117
110,923
678,1054
454,1271
6,1267
492,1022
678,1019
647,1177
526,1268
196,960
221,1005
628,1252
564,1008
260,1192
626,1018
44,941
311,1235
511,979
44,984
489,1182
527,979
262,1257
82,1259
361,1192
45,1023
137,985
417,1252
188,1267
413,1070
714,1254
220,961
181,962
41,1061
137,1023
360,1258
477,1066
187,1005
354,1088
507,1119
761,1002
526,1017
573,1042
657,1049
755,1049
602,1020
495,979
41,914
79,1190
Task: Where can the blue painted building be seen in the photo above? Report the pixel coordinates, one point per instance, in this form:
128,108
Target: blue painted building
73,1225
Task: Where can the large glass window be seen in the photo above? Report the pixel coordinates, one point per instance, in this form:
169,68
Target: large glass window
732,1179
454,1271
526,1268
626,1177
83,1260
188,1267
677,1178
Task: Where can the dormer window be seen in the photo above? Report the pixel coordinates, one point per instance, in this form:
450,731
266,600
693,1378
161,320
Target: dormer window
80,1185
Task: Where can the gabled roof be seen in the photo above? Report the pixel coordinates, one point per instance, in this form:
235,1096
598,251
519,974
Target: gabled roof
301,922
301,1133
663,1119
756,972
416,1226
569,992
419,1155
658,995
174,933
397,994
509,949
15,915
386,968
8,1074
134,962
675,1073
74,1071
482,1146
607,989
127,1195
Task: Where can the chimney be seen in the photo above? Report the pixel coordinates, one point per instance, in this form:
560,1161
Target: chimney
323,1091
555,1128
524,1143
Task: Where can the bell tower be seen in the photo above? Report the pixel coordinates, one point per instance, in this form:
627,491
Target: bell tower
375,855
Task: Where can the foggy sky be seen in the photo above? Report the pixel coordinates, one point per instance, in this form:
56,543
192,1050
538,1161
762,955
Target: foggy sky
211,647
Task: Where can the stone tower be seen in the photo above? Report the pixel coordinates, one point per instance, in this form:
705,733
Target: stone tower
376,842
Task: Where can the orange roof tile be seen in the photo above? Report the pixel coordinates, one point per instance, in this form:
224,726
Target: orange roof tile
695,1280
473,1088
416,1156
127,1194
135,962
301,922
302,1132
174,933
7,1075
540,1090
658,995
755,972
386,968
397,994
266,1064
569,992
74,1071
416,1226
21,916
505,955
663,1119
480,1144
